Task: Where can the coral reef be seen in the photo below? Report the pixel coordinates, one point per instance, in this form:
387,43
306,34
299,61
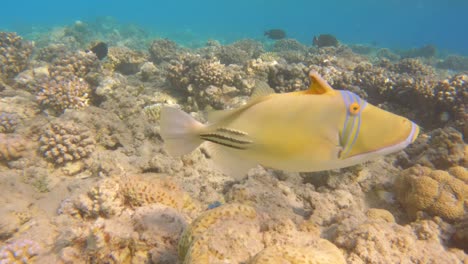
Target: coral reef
433,191
14,54
457,63
65,142
69,93
163,50
125,60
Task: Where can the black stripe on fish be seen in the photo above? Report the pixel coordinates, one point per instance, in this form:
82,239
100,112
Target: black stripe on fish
232,131
222,143
227,138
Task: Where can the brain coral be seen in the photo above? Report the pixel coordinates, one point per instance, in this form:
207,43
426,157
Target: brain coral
11,147
433,191
322,252
68,93
14,54
65,142
229,233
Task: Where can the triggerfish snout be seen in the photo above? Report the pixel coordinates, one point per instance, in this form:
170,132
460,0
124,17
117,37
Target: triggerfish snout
312,130
369,131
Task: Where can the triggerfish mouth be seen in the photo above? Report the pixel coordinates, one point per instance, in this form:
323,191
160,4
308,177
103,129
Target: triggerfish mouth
311,130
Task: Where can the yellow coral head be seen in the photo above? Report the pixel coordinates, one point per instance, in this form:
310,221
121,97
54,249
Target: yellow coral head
369,131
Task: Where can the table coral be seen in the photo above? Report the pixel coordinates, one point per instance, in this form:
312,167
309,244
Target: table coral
69,93
14,54
433,191
65,142
11,147
322,252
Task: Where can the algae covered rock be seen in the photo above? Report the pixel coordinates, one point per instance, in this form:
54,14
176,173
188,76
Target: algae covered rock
322,252
435,192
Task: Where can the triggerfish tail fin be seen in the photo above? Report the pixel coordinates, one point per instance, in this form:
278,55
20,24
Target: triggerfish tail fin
179,131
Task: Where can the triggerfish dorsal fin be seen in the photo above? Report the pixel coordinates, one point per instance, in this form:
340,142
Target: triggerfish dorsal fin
261,89
318,85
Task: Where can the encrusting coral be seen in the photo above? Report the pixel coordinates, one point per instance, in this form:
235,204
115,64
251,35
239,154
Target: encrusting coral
14,54
65,142
435,192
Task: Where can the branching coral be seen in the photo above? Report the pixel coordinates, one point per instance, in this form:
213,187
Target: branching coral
22,251
14,54
77,64
65,142
433,191
69,93
11,147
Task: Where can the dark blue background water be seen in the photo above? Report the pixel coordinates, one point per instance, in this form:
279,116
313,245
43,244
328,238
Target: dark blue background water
391,23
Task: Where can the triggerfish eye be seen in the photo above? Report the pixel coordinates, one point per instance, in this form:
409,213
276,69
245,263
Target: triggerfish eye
354,108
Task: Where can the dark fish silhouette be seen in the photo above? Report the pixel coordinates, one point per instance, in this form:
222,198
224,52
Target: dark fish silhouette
100,49
275,34
325,40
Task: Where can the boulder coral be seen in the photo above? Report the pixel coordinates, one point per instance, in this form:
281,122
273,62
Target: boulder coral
11,147
435,192
66,142
14,54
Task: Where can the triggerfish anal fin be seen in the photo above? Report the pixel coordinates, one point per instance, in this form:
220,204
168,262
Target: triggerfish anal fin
318,85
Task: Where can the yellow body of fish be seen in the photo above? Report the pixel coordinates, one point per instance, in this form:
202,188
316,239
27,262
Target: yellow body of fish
313,130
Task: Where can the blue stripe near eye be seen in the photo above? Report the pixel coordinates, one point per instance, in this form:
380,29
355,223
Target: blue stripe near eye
348,142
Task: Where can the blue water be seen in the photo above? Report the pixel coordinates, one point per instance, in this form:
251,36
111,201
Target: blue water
391,23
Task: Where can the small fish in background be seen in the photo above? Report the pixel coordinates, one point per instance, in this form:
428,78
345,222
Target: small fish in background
100,49
275,34
325,40
312,130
